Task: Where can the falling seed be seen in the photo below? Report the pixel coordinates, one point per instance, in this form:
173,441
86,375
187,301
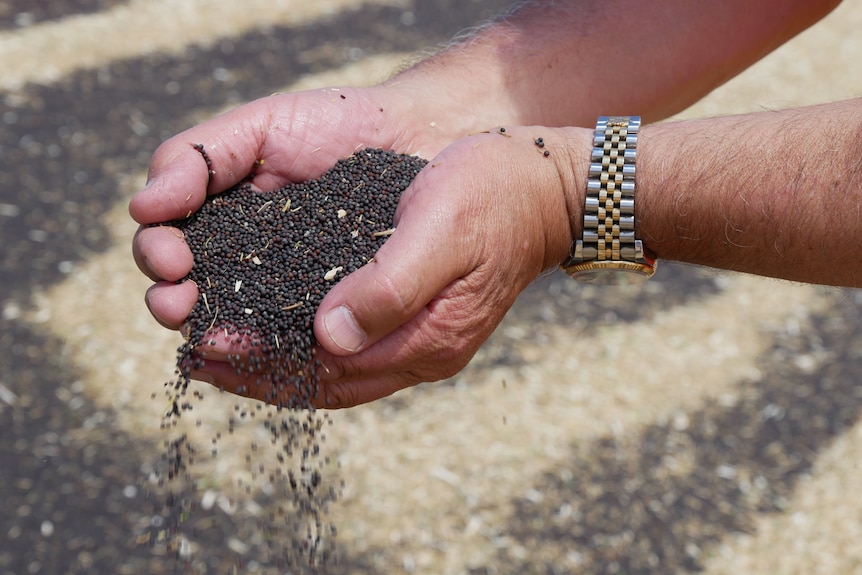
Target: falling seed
270,312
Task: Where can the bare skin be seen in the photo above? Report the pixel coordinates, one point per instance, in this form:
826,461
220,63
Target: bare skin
766,184
774,193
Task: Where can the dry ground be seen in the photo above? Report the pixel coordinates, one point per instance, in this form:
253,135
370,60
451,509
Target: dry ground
726,439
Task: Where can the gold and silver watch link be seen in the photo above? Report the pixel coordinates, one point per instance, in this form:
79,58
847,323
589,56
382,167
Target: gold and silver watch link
608,252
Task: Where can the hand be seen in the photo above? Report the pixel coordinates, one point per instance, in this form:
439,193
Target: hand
443,290
479,223
290,137
293,137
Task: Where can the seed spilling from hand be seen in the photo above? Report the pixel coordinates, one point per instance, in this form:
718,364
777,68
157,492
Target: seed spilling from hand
264,261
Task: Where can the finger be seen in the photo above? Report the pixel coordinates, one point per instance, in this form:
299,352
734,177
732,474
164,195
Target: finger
281,139
434,344
224,375
341,395
427,348
171,303
162,253
417,262
212,156
177,183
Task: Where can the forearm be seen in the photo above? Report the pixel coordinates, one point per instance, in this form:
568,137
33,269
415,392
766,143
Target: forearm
772,193
552,63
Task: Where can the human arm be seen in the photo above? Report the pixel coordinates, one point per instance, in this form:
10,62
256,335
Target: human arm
565,63
539,66
546,63
771,193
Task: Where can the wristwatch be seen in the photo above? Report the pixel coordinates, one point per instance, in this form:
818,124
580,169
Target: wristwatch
608,252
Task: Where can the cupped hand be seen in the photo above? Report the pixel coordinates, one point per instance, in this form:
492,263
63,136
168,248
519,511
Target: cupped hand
487,214
283,138
477,225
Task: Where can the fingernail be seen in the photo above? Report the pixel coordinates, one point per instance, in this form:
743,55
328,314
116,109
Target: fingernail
342,328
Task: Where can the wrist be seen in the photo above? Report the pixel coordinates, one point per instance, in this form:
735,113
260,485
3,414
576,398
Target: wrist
572,162
609,252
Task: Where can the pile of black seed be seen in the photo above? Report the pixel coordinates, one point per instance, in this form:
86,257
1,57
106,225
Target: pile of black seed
264,261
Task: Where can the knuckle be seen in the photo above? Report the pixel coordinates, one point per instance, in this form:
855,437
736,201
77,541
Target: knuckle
397,294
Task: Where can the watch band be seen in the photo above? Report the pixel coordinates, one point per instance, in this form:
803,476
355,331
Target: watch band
608,239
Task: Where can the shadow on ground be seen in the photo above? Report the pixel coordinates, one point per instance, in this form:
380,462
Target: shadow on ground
660,499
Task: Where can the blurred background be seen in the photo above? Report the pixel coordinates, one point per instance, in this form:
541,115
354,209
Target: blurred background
707,422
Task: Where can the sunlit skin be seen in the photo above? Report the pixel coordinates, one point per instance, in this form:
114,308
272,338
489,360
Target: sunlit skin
489,213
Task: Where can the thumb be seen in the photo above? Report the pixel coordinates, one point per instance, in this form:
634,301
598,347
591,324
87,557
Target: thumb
408,272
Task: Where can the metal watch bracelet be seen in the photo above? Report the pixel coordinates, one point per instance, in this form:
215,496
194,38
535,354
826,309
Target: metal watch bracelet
608,240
